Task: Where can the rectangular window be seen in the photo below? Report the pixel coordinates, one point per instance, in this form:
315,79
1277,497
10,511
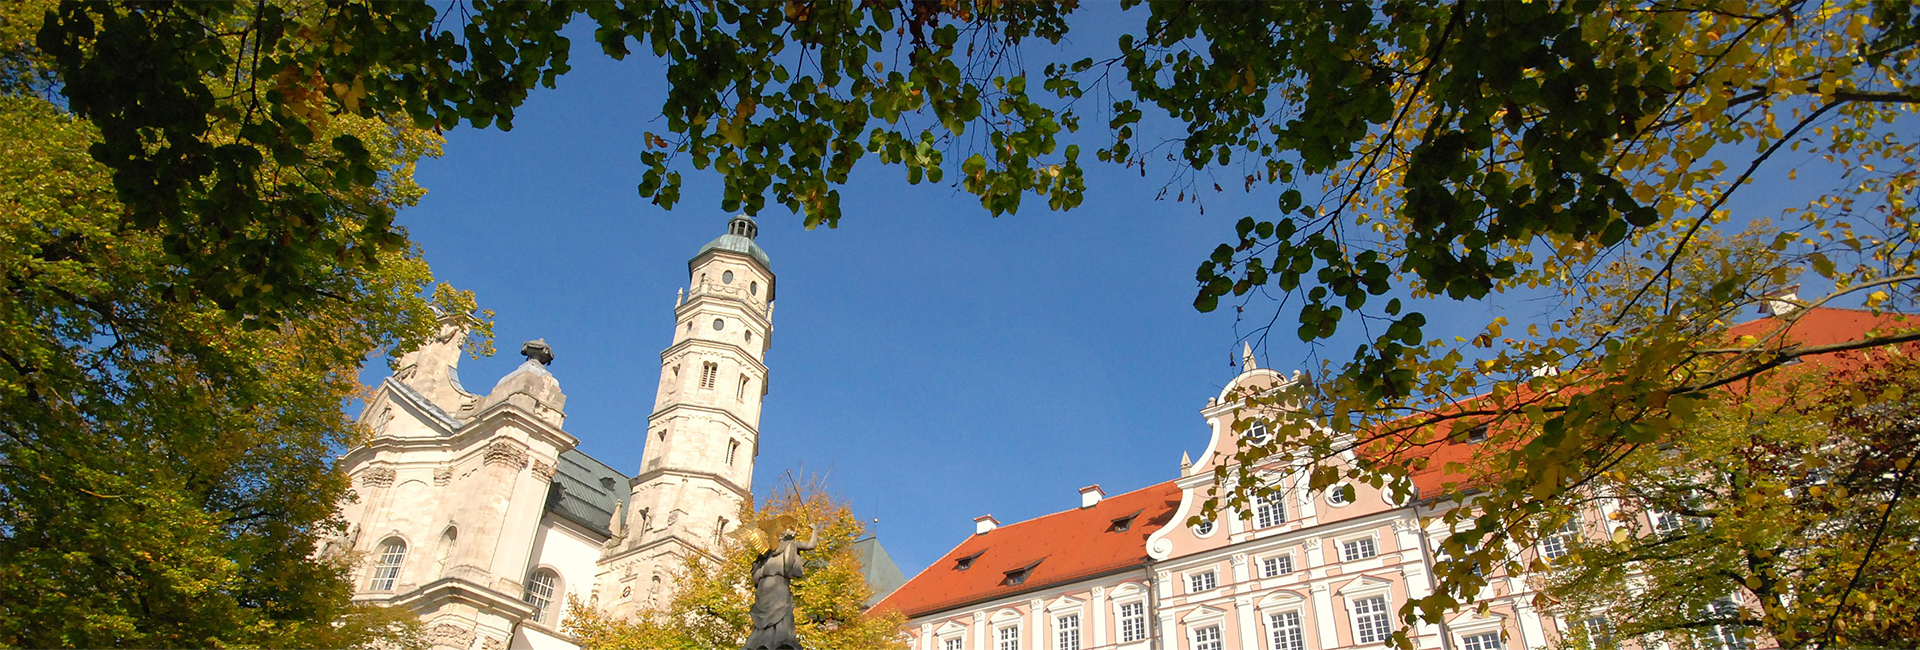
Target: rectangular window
1009,638
1556,544
1207,638
1269,510
1370,622
1133,622
1725,637
1488,641
1358,549
1202,581
1066,632
709,371
1276,565
1598,634
951,643
1667,522
1283,630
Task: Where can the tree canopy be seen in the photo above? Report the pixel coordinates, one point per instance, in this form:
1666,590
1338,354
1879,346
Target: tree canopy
1416,152
712,595
166,463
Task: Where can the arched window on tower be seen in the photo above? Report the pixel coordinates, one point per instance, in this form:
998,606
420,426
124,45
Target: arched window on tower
719,530
709,373
386,571
741,393
733,447
540,589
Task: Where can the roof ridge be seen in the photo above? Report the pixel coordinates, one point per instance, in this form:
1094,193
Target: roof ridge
1103,499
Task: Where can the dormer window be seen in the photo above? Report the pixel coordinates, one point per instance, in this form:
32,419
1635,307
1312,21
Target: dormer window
965,563
1019,575
1477,434
1123,524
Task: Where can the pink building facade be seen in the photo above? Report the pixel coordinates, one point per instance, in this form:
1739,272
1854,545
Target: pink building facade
1302,571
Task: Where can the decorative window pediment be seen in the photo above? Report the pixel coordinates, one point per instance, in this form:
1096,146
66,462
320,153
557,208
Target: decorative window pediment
1282,598
1202,614
1365,585
1064,604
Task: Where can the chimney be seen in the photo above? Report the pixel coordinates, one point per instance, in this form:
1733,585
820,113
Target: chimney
984,523
1782,302
1091,495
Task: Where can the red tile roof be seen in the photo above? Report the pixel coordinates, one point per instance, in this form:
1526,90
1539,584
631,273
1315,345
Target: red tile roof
1069,546
1819,326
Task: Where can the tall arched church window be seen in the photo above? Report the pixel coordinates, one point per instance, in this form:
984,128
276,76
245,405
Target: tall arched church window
386,570
733,447
540,590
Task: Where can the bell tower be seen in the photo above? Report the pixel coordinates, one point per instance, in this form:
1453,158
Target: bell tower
697,466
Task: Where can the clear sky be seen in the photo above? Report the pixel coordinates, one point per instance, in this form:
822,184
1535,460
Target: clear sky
935,363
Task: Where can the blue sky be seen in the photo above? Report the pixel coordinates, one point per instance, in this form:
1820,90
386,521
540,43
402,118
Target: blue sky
933,362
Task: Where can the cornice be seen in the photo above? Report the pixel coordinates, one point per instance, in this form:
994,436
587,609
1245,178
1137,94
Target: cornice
664,411
464,591
475,430
690,342
675,471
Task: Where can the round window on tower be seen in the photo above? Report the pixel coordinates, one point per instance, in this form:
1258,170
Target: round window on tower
719,324
753,288
726,278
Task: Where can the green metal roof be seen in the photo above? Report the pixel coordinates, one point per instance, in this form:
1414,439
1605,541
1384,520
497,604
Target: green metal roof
736,244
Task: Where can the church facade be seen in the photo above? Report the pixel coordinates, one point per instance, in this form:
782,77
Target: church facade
478,512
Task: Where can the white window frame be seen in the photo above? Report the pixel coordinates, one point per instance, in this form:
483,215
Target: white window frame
1121,620
1210,576
1002,640
1597,631
1270,511
387,565
1195,633
1337,498
1277,559
1482,641
1661,520
1206,528
541,610
956,641
1257,433
1385,614
1298,629
1554,545
1061,631
1372,541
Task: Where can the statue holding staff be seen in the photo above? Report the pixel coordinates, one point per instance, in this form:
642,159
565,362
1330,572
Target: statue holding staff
773,574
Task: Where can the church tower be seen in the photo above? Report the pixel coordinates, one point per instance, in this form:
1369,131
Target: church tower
697,467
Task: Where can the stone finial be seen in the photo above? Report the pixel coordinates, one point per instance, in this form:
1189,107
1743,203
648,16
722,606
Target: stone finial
538,350
1246,357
